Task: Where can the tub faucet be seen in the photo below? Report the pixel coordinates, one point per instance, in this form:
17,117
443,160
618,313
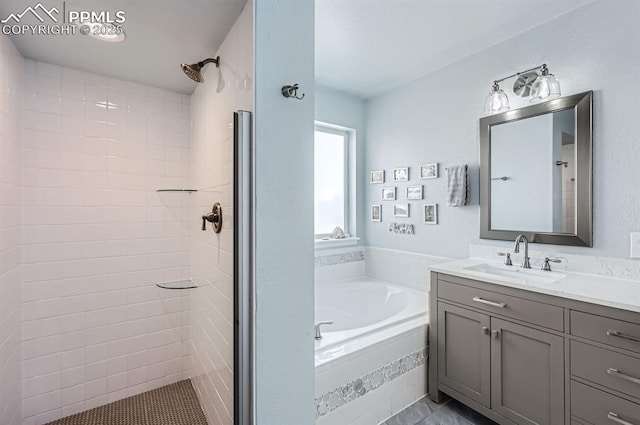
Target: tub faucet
516,249
318,336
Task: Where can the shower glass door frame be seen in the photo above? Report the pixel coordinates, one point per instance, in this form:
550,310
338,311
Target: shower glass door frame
243,258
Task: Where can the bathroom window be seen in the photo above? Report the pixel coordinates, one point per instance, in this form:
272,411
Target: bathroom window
332,179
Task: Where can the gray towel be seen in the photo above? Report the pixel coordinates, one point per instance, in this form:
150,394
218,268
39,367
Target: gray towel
457,186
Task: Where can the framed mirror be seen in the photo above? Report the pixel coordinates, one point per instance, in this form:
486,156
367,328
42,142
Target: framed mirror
536,172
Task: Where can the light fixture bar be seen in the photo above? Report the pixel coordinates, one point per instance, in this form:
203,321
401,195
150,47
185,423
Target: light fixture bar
517,74
536,83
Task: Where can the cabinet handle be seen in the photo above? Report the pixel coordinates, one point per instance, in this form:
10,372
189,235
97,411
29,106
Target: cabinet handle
485,330
615,418
616,372
495,334
491,303
623,336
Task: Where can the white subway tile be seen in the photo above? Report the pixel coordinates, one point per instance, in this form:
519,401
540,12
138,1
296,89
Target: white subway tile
95,353
41,403
96,237
43,68
45,84
41,347
95,388
40,328
41,384
95,371
73,376
116,382
72,340
73,358
116,365
72,395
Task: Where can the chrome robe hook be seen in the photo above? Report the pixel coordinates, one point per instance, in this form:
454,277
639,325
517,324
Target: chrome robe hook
291,92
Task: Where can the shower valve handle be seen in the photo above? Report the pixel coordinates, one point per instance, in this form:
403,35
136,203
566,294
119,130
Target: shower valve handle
211,218
214,217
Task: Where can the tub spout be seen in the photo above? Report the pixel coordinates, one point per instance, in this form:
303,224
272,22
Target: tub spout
318,336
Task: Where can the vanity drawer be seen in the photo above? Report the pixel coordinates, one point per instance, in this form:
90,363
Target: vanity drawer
609,331
600,408
613,370
541,314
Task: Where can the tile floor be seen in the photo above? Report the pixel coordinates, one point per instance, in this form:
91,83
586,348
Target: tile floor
426,412
175,404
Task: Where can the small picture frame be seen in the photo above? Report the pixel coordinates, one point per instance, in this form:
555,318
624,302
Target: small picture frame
414,193
401,174
388,193
376,213
429,171
377,177
430,213
401,210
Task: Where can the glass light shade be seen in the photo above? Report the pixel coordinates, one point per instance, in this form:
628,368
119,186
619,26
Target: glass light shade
545,87
497,101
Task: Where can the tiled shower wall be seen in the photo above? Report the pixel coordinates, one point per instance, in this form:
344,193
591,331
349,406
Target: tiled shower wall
97,237
213,104
10,238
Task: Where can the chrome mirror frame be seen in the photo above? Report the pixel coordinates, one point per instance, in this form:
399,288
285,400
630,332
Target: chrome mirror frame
582,104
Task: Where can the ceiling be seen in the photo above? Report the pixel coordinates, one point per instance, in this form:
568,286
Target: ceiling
368,47
160,35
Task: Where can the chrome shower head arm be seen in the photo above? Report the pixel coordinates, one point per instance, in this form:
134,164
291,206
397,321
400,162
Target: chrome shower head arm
210,60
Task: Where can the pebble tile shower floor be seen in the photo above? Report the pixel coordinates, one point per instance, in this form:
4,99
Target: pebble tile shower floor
175,404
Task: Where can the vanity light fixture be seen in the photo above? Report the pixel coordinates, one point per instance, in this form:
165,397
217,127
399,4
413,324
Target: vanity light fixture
536,83
545,86
497,101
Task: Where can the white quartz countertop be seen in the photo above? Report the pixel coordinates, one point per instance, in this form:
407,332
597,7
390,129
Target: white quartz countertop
606,291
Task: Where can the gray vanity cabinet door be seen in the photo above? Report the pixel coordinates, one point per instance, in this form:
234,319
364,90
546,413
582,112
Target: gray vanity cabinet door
464,349
527,374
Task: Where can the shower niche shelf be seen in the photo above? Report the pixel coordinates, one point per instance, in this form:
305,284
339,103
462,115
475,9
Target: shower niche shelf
177,284
177,190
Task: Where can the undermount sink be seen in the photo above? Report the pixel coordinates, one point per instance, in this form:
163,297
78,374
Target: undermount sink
523,276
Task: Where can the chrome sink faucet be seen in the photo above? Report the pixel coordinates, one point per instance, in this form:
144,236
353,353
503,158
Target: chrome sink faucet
507,260
516,249
546,266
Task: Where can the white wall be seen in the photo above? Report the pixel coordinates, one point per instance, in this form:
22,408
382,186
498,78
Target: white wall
97,237
435,119
212,254
284,37
10,234
345,110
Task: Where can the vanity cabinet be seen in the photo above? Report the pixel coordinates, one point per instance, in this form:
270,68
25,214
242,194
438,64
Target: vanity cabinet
465,352
527,374
527,358
488,359
605,369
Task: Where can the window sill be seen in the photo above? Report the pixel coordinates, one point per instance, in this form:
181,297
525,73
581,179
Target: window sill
336,243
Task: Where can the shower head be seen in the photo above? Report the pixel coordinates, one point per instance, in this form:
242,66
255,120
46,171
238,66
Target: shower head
193,71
